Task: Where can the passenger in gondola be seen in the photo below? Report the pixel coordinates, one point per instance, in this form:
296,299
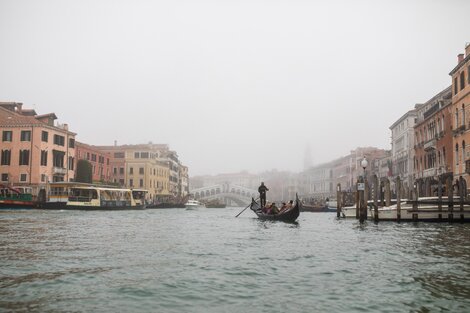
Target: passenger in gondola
267,208
274,209
287,207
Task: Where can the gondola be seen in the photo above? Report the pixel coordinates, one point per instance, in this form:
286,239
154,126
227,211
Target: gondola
287,216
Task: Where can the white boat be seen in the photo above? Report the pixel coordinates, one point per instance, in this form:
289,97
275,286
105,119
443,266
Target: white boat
76,196
426,211
194,204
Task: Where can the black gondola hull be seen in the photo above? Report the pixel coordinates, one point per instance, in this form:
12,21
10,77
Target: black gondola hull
288,216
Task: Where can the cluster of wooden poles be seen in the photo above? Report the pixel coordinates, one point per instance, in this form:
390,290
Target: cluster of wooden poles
381,197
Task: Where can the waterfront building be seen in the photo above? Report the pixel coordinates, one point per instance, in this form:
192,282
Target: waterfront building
34,150
433,141
318,181
184,179
99,160
143,166
402,154
348,169
461,115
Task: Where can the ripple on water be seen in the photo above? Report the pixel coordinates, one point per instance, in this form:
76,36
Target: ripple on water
209,261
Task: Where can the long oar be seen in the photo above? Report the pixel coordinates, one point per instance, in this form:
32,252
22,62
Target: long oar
245,208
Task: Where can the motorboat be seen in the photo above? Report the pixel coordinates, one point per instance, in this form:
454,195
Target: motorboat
193,204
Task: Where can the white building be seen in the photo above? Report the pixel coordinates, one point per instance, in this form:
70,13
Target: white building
403,147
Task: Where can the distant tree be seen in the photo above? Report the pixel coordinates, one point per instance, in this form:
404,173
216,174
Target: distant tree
84,172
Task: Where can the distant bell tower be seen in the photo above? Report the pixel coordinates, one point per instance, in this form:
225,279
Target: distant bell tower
308,163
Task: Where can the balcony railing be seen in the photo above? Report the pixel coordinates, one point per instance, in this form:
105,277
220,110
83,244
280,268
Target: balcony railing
431,144
59,170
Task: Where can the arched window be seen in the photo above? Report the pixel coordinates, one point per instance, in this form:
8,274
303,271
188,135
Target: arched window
444,156
456,118
462,80
463,151
463,115
457,154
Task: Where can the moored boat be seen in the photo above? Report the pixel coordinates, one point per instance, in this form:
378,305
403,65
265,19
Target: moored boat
426,209
16,197
79,196
287,216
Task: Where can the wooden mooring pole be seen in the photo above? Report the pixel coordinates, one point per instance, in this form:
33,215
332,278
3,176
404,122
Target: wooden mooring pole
365,197
339,201
358,199
463,196
450,197
439,200
375,187
398,188
414,214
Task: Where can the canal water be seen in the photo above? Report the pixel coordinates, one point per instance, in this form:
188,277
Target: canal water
207,260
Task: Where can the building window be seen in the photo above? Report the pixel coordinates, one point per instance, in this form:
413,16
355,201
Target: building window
7,135
43,178
88,156
59,140
4,177
468,74
71,163
25,135
44,136
136,155
5,157
119,155
107,161
131,170
121,171
23,177
24,157
58,158
462,80
144,155
463,115
43,157
72,143
455,86
457,154
141,183
141,171
131,182
115,170
463,151
93,157
121,182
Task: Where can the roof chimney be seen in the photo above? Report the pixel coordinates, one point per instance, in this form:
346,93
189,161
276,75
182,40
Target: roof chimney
115,143
19,107
467,49
459,58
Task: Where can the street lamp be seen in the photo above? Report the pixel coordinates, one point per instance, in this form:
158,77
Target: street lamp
364,164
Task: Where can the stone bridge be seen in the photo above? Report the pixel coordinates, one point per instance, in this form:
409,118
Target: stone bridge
226,193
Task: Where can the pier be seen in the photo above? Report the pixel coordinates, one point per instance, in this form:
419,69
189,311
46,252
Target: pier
447,201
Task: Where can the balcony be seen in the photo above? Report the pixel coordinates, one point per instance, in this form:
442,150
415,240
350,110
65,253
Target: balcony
59,171
429,145
459,130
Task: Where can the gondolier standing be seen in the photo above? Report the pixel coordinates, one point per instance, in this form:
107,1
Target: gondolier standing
262,194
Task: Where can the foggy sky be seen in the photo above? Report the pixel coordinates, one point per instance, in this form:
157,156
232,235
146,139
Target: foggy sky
230,85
